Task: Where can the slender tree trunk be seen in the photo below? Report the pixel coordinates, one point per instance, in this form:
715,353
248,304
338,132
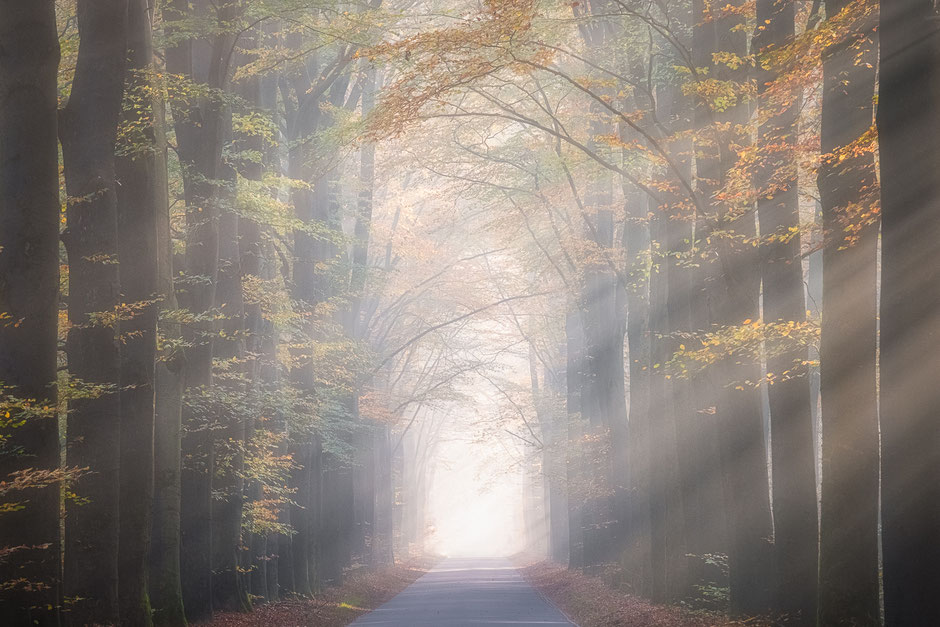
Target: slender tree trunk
166,597
285,552
200,132
791,416
88,128
140,194
260,341
29,289
637,247
908,125
305,476
667,549
554,444
678,221
734,300
848,541
336,509
301,518
364,473
229,592
712,536
574,355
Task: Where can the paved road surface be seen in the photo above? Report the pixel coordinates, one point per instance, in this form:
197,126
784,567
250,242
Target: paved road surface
467,593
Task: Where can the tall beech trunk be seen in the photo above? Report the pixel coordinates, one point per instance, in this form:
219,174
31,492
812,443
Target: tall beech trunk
677,237
141,195
88,128
636,243
574,359
908,125
667,550
303,118
712,534
536,473
302,513
166,595
260,366
734,300
200,133
229,591
791,415
364,471
301,510
271,378
332,533
285,549
232,378
382,535
848,540
336,509
637,542
553,459
29,289
603,401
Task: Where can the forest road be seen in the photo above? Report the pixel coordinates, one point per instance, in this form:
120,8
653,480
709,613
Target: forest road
473,592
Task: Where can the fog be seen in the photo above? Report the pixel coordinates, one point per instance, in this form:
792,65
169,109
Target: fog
474,504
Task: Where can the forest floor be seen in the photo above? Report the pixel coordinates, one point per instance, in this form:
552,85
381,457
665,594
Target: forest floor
363,590
591,602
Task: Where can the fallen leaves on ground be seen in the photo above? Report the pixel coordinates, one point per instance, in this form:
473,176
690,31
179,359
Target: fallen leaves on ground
590,602
363,591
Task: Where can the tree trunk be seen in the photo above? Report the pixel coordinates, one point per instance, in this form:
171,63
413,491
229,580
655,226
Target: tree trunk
574,355
667,549
88,128
908,125
165,588
229,593
304,290
791,416
712,535
364,466
636,245
677,229
200,132
29,289
848,542
734,300
141,197
382,535
301,518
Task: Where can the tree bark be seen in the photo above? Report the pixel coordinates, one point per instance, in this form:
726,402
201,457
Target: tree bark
848,543
667,550
791,416
636,244
200,132
29,290
88,129
141,197
733,301
712,535
165,588
228,585
574,358
909,96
